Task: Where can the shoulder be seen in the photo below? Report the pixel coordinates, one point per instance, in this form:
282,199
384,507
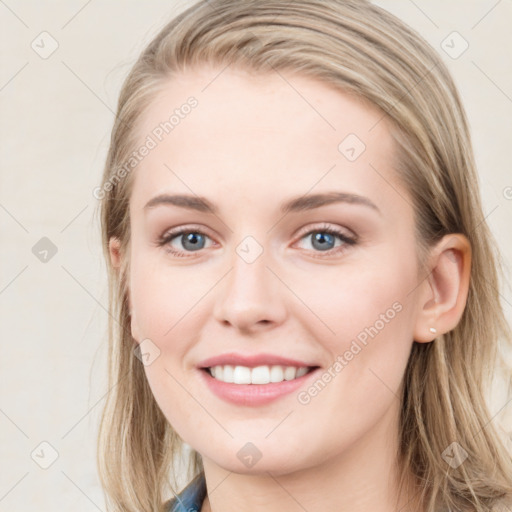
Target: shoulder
190,499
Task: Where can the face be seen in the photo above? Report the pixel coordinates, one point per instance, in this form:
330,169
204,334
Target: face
326,283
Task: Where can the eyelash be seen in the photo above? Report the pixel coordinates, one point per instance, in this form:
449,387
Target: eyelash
167,237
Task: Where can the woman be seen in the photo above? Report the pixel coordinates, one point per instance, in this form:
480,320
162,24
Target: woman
304,293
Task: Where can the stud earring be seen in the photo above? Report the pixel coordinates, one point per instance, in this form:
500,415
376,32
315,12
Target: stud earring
433,330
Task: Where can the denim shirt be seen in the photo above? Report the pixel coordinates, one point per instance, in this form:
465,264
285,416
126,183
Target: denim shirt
191,498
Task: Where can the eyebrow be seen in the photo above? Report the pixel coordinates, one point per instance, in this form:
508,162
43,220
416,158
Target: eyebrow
302,203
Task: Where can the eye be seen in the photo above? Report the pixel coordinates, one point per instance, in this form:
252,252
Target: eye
190,239
323,240
185,240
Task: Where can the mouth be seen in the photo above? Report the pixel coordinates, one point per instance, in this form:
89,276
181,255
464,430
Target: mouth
264,374
256,386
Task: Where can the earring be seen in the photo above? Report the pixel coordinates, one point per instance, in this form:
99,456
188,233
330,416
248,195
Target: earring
433,330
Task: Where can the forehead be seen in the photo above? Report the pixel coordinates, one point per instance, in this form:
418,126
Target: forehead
276,133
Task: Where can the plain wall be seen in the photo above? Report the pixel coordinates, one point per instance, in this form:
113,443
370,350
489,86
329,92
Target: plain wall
56,117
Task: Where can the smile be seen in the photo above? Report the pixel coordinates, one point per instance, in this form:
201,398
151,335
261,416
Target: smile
255,386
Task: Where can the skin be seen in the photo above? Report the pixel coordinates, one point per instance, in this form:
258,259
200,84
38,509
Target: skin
252,143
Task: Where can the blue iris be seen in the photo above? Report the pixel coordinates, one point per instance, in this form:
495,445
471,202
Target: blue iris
193,239
321,237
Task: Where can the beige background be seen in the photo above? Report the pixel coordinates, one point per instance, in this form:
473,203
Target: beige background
56,116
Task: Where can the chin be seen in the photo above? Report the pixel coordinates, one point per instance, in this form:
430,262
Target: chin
278,463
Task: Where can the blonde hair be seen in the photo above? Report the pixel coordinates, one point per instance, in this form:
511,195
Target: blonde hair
370,54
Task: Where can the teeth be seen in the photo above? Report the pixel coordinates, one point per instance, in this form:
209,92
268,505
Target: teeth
257,375
302,371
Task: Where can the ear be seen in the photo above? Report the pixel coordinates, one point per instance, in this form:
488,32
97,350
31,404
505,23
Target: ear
443,294
114,247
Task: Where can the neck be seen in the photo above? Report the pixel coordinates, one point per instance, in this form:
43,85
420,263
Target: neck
364,476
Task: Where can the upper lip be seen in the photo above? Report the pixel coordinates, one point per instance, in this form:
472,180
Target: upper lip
251,360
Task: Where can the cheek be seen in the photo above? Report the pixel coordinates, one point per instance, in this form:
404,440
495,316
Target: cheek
341,302
164,298
368,356
364,319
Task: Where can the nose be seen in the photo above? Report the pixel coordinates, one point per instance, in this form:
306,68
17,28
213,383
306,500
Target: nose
251,297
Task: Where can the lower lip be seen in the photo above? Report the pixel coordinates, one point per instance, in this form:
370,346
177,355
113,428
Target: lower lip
253,394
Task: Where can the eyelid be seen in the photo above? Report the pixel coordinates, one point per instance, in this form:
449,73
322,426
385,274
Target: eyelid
325,226
185,227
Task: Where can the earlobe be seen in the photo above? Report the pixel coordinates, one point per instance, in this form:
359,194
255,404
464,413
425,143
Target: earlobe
444,292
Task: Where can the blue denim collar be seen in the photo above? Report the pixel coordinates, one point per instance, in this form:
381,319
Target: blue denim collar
191,498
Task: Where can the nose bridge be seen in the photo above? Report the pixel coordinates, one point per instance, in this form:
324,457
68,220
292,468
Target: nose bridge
249,274
249,295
